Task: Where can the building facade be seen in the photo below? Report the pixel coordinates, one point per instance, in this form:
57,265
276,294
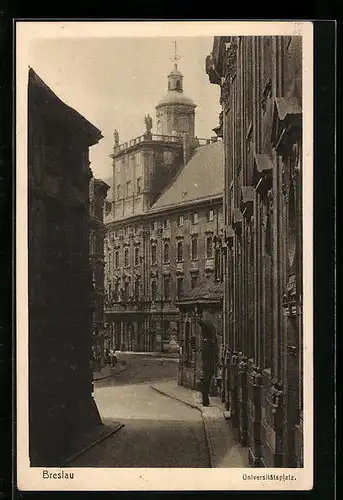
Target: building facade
166,210
261,126
61,406
97,195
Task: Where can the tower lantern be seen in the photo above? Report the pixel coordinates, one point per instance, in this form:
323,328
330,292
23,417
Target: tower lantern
175,113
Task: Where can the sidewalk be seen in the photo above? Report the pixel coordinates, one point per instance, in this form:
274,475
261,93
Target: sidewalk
223,448
109,371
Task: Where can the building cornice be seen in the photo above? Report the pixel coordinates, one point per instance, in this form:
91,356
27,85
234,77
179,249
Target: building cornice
148,216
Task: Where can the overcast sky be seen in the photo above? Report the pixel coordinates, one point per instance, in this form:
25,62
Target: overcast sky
114,82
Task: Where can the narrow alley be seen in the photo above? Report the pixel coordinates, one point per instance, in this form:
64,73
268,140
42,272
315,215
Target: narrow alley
158,431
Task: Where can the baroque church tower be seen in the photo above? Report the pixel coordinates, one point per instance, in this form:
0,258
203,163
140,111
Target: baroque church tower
143,166
175,113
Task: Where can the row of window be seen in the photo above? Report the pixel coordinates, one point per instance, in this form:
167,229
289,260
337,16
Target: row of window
126,258
128,189
194,218
166,253
180,251
124,293
155,225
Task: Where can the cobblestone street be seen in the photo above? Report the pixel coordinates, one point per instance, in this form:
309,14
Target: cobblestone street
158,431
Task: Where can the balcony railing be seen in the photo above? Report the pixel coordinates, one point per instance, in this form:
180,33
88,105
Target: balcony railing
179,267
166,268
158,137
209,264
145,138
194,265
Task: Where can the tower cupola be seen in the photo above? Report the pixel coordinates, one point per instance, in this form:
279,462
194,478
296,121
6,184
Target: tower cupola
175,112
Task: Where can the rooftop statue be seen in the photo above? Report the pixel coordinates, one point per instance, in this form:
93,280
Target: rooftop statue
116,138
148,123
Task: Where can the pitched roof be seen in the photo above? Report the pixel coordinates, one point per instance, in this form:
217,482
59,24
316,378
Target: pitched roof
201,178
43,100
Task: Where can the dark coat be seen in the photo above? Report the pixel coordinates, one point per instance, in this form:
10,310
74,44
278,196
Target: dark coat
209,346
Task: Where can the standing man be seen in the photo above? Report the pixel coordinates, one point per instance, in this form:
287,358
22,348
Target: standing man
208,350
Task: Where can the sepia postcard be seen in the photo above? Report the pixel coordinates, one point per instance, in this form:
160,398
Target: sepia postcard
164,202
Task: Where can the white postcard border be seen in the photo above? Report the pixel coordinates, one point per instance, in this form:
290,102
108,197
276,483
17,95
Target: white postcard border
123,479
